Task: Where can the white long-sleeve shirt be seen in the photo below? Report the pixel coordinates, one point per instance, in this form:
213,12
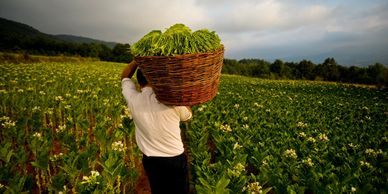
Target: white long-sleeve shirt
157,125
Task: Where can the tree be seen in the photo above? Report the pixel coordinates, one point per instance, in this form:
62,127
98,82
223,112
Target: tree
280,69
121,53
377,73
306,70
261,69
328,70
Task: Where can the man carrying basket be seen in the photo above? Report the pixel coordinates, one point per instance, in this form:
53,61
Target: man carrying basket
157,134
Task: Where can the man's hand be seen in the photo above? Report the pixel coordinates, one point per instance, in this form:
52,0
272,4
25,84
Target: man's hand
129,70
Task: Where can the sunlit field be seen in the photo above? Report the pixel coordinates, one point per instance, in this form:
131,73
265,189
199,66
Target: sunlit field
65,128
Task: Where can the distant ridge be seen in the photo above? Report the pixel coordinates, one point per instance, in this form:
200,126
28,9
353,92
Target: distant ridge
12,32
81,39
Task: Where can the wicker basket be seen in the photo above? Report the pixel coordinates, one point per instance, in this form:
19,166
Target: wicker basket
183,80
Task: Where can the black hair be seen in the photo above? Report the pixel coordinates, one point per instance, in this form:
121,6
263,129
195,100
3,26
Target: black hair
140,78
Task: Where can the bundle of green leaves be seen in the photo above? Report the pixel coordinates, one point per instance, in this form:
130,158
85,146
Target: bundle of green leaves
176,40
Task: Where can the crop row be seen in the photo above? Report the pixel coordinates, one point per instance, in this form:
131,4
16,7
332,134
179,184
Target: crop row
290,137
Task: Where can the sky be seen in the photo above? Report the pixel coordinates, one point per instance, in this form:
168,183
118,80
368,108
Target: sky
353,32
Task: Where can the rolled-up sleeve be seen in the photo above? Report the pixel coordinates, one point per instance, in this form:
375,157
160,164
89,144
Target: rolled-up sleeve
184,113
128,89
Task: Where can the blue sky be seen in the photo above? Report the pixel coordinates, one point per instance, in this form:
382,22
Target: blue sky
354,32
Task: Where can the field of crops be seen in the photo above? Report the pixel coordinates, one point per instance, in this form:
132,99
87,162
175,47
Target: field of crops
65,128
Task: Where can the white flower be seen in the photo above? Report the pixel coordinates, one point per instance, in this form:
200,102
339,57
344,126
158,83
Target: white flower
373,153
49,111
106,101
253,188
236,170
36,109
236,106
323,137
369,151
37,135
58,98
95,173
127,113
301,134
225,128
290,153
85,178
118,146
311,139
55,157
258,105
308,162
365,164
61,128
236,146
301,124
353,189
92,179
8,123
4,118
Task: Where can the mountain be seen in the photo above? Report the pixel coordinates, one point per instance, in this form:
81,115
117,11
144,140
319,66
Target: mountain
13,34
80,39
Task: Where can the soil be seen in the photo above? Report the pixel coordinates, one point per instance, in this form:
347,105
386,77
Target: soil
142,184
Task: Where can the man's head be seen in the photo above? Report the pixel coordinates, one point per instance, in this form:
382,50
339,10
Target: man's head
141,79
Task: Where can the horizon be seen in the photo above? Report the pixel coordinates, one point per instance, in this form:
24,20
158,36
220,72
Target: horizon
352,33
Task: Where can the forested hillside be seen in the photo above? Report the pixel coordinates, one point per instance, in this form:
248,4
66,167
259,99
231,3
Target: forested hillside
18,37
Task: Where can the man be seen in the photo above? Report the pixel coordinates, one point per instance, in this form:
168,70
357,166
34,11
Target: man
157,134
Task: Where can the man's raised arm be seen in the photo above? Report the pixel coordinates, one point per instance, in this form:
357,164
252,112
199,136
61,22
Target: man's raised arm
129,70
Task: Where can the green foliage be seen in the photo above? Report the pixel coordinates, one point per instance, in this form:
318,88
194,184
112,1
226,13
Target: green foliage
290,137
176,40
306,70
65,127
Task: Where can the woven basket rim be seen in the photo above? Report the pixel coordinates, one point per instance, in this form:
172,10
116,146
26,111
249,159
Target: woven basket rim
181,56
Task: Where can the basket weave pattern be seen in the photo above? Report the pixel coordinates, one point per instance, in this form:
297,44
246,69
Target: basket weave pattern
183,80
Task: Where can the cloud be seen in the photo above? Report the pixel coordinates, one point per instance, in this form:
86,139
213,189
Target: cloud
267,15
119,20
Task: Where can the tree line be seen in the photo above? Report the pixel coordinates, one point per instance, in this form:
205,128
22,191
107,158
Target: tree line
52,47
329,70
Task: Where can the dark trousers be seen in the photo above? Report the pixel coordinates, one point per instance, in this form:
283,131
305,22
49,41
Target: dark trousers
167,175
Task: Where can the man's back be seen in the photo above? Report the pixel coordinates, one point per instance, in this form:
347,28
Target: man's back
157,125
